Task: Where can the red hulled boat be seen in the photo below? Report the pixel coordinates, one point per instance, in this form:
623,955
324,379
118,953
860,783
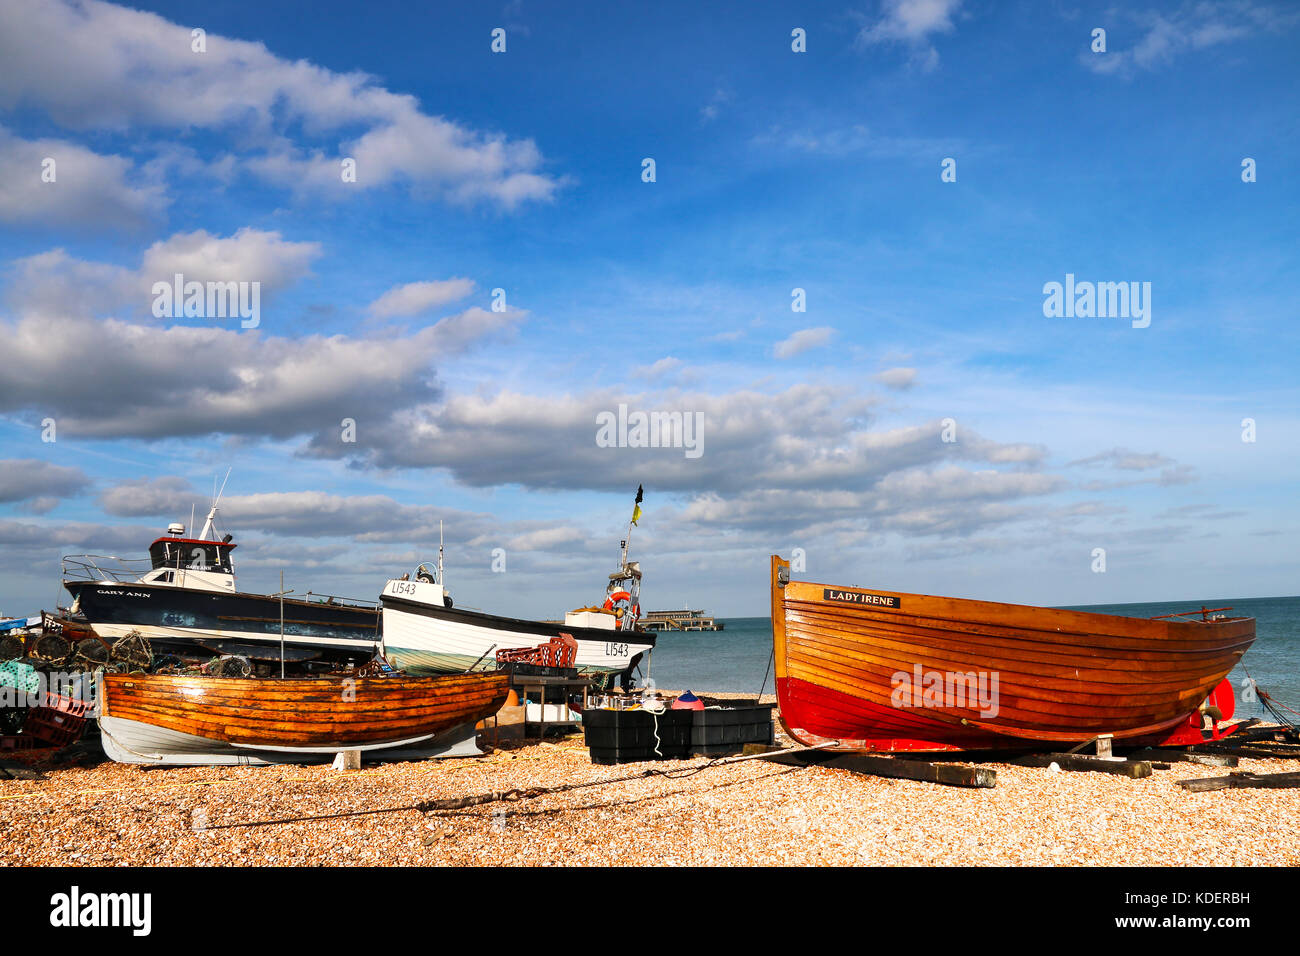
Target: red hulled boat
886,671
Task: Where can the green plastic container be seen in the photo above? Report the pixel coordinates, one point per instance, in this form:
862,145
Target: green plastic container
22,677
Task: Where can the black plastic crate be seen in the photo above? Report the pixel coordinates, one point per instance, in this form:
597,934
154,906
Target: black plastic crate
727,731
628,736
522,669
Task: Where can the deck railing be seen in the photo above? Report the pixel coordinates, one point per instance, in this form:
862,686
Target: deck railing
104,567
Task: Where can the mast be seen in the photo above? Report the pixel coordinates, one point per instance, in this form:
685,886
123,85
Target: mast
208,527
625,572
441,583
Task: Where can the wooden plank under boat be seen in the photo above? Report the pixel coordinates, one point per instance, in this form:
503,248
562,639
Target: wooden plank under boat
177,719
888,671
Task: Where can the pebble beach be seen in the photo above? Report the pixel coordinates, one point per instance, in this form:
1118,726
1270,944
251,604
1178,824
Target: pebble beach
102,814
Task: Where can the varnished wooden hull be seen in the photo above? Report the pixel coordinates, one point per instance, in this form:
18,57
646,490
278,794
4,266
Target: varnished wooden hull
305,716
847,661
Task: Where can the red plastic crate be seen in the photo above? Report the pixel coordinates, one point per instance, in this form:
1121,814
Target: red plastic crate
55,728
65,705
557,652
522,654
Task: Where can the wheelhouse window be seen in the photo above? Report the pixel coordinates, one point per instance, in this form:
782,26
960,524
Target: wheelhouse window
191,555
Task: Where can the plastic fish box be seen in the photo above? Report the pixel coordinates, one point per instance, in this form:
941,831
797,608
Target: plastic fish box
727,730
55,728
520,669
629,736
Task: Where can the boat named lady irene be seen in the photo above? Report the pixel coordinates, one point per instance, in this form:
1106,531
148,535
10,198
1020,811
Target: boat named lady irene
867,669
424,633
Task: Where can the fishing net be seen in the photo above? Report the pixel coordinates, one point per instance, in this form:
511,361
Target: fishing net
232,666
168,664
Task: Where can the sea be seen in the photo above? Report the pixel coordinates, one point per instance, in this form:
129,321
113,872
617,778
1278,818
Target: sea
737,658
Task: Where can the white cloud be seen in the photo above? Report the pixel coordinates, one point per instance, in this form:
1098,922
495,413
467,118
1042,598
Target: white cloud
713,108
25,479
249,255
417,297
89,189
857,139
658,369
94,65
150,382
899,378
1125,459
1169,34
911,22
54,284
801,341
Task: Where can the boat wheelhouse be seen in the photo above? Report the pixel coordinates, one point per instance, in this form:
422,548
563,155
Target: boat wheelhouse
191,562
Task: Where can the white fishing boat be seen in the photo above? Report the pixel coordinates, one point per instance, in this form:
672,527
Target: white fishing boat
423,633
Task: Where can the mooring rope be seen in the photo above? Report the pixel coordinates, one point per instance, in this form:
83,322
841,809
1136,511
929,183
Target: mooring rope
518,794
1271,704
762,687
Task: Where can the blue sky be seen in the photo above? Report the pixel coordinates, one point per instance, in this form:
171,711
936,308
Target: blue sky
775,170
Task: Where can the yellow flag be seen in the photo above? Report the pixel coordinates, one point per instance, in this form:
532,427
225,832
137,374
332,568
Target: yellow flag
636,514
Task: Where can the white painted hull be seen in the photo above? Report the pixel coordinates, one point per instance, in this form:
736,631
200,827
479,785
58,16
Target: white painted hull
421,643
135,742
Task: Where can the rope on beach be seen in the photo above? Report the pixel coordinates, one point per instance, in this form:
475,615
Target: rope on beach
519,794
1271,704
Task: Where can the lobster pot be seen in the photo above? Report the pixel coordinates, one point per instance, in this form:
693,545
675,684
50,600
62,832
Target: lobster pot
629,736
726,731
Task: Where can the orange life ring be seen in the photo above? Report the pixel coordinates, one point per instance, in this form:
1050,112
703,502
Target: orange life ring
616,596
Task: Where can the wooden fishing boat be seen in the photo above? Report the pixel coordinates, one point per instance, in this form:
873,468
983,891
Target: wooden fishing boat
875,670
165,719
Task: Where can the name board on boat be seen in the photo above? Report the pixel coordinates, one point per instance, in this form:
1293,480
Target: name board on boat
860,597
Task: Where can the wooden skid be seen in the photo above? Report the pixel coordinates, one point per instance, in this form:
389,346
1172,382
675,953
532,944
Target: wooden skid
1259,748
948,774
1135,769
1242,780
1184,756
